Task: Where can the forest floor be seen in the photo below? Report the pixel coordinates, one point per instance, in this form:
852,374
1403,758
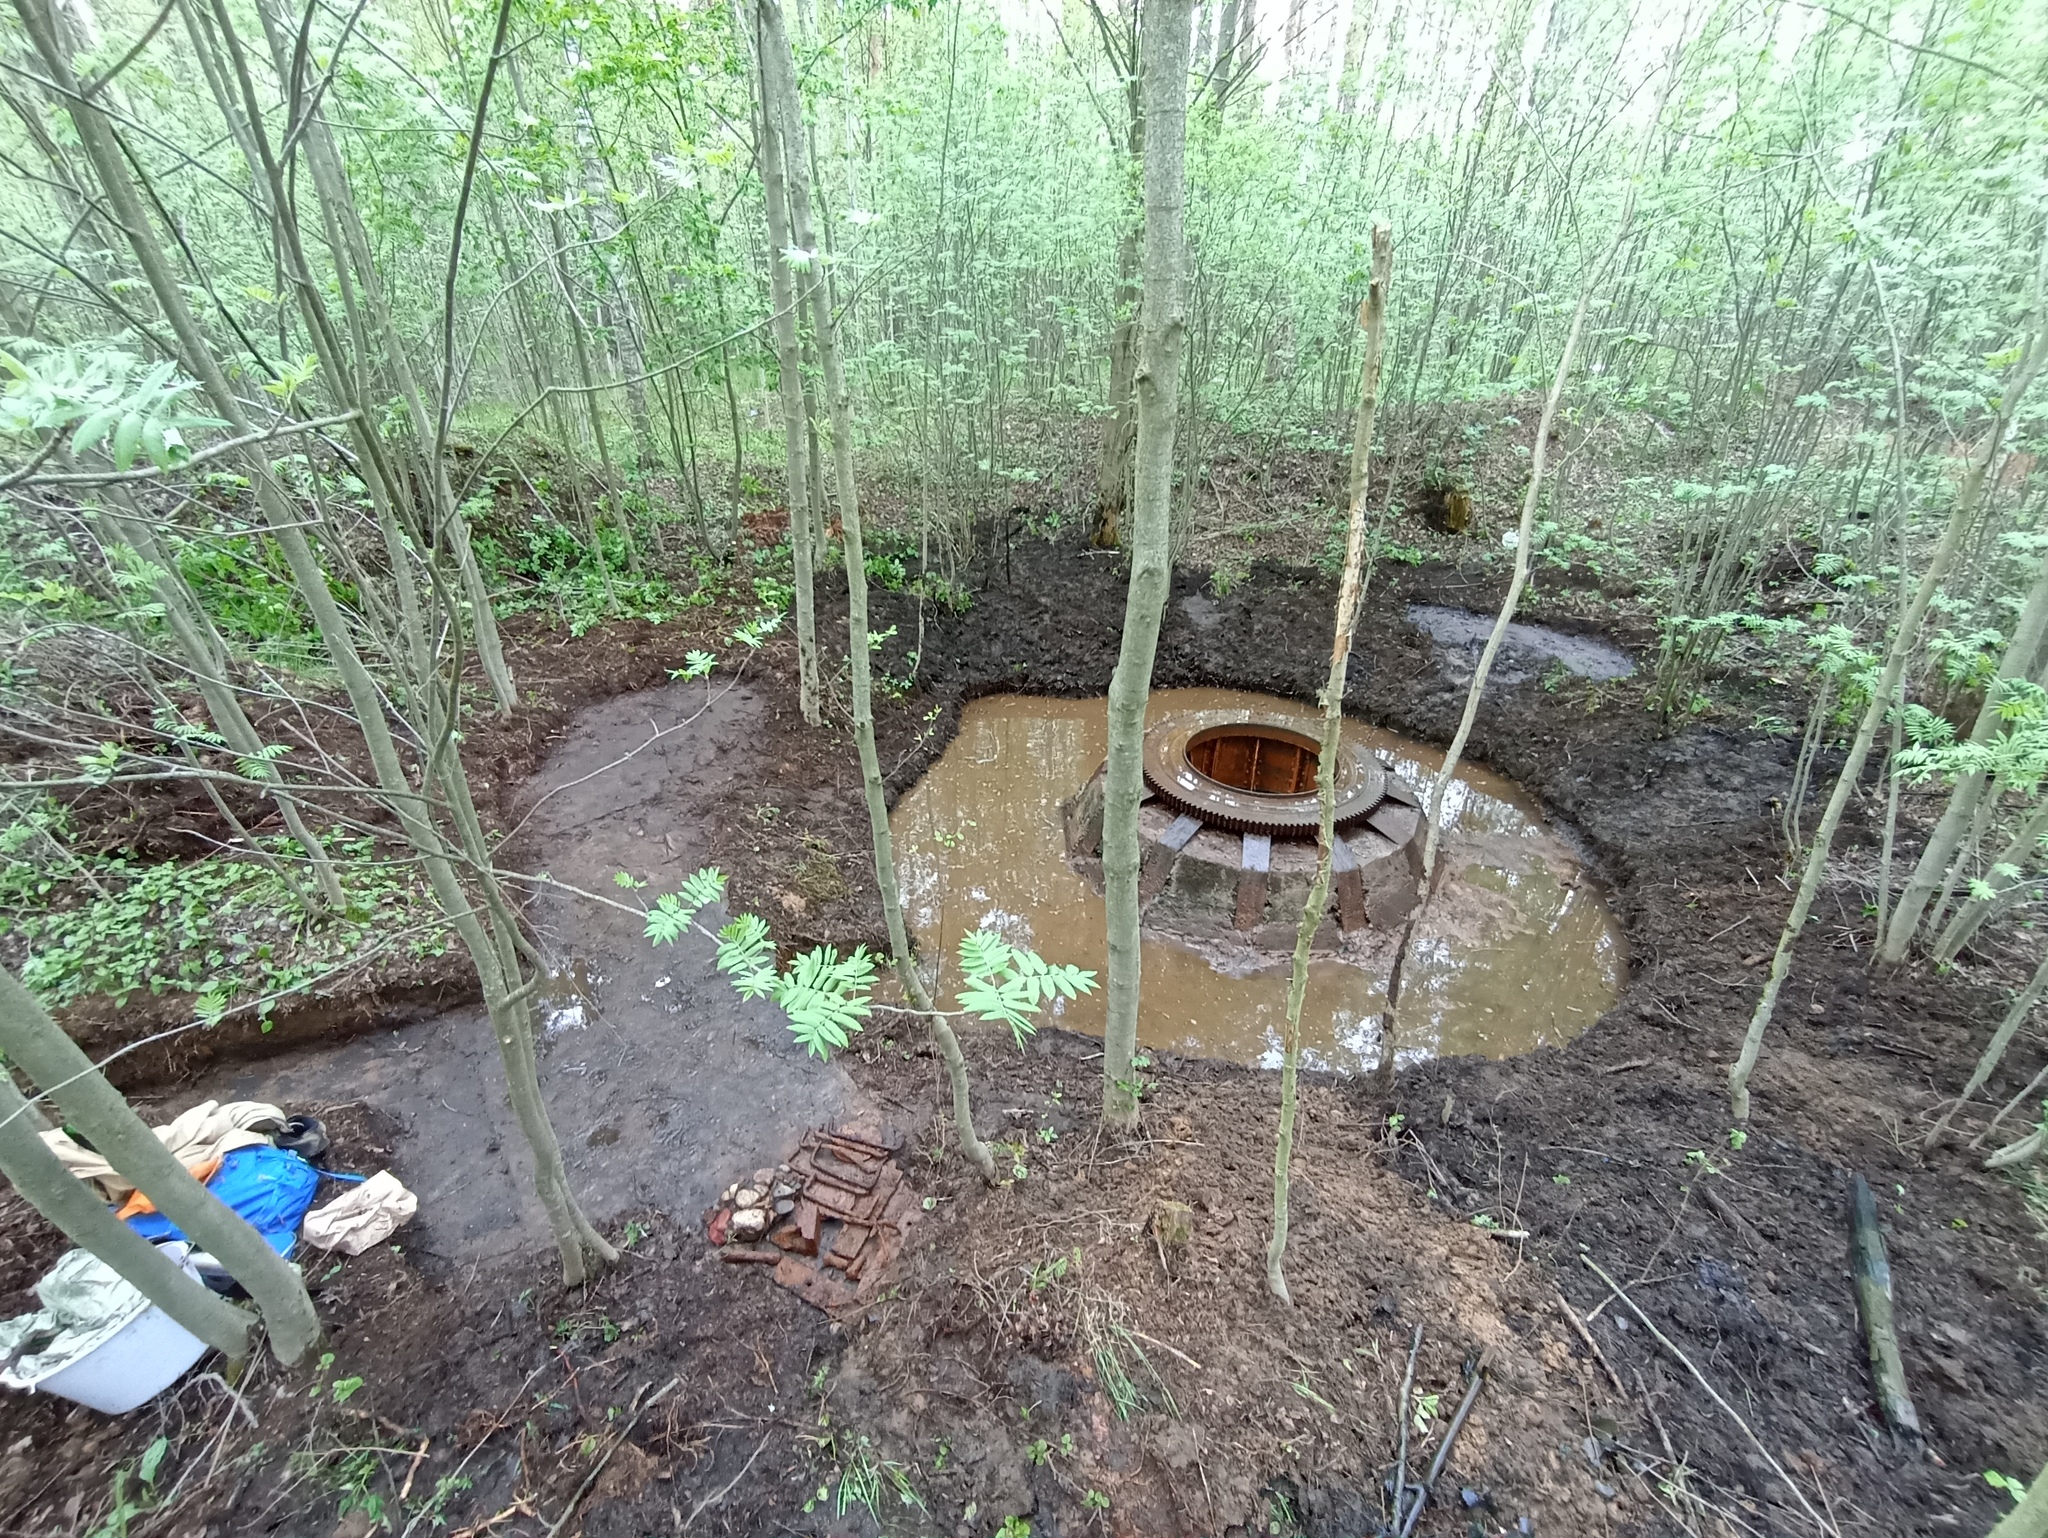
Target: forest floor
1038,1352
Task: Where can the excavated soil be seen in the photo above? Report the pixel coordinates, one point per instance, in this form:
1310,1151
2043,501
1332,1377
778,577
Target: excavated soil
1062,1339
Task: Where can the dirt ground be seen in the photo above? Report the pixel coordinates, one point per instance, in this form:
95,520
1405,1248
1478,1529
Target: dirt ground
1044,1349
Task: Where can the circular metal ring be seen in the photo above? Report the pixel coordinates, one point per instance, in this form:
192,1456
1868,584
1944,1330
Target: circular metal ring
1255,775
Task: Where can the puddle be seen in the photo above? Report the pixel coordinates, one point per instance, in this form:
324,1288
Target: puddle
566,998
1519,951
1529,650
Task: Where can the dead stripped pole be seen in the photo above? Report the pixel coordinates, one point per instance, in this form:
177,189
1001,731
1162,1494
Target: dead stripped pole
1962,515
1372,316
1873,1272
1525,529
1432,879
39,1047
1401,1428
2029,1519
1162,329
60,1196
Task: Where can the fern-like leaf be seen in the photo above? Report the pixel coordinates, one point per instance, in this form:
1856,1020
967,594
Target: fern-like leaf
746,954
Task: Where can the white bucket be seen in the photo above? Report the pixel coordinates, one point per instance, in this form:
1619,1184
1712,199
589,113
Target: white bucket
139,1361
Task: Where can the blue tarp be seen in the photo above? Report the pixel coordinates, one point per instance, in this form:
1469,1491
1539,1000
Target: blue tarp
270,1188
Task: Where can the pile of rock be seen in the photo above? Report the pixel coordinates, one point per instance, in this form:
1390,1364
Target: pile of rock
749,1208
830,1220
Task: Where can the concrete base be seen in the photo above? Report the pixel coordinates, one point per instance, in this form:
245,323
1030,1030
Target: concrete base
1205,883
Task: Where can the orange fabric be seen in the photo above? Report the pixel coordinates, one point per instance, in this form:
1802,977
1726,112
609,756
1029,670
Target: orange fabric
138,1204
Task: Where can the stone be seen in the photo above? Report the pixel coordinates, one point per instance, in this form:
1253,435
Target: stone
747,1196
748,1224
1174,1223
728,1194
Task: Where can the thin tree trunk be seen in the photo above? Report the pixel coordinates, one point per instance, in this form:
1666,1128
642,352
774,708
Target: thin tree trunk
1940,856
349,247
1960,518
46,1185
775,169
37,1045
1972,914
1373,319
1994,1049
778,70
1163,47
188,625
1525,538
2029,1519
1114,458
287,528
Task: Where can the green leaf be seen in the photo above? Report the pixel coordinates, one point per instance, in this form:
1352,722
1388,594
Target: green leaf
673,913
127,438
746,953
153,1459
1009,985
93,429
345,1388
826,997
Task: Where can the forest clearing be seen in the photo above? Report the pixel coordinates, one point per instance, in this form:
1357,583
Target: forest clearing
1118,767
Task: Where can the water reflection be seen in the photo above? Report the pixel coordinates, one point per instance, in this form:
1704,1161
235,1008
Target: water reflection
1518,951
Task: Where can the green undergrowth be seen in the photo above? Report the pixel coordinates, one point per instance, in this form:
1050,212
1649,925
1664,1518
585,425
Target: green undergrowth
225,927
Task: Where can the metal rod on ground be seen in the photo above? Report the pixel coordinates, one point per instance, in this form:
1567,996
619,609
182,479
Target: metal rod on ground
1443,1453
1401,1457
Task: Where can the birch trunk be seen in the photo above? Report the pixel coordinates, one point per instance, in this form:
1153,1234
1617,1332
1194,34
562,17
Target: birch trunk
1163,51
1373,319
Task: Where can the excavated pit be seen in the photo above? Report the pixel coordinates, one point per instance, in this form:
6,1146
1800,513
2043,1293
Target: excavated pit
1518,950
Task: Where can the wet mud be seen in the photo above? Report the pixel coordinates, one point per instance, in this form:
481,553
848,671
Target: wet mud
1527,651
1614,1144
664,1084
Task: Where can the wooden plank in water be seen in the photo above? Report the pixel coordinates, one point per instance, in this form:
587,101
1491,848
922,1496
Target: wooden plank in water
1253,865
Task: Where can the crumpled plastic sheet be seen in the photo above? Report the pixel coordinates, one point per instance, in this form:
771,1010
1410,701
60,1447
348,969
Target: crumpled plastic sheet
365,1217
85,1304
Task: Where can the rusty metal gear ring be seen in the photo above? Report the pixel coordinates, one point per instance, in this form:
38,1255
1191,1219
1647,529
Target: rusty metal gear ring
1255,776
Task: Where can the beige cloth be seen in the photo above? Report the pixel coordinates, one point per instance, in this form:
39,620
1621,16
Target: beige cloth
366,1216
198,1137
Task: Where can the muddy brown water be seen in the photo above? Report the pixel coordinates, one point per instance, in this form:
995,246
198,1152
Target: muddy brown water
1519,951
